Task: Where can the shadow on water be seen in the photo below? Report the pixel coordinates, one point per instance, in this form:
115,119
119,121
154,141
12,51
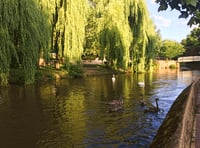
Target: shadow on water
74,113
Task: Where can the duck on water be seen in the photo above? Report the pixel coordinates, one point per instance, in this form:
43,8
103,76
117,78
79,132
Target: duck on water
150,107
115,105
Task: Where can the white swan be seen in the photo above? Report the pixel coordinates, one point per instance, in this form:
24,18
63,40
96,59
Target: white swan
113,78
141,84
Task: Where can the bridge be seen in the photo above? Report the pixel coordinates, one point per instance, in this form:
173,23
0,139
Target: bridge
188,59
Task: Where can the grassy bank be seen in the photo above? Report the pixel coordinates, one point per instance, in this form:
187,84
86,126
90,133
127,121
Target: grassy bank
42,74
50,73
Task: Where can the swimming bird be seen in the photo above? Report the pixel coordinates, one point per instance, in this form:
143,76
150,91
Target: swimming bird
116,102
113,78
152,108
116,105
141,84
143,102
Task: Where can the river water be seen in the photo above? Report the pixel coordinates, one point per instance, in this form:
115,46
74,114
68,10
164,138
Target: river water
73,113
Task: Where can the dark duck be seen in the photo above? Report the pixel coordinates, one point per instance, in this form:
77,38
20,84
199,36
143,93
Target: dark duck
115,105
151,108
143,102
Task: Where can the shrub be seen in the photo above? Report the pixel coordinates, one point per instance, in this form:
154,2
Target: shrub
75,71
172,66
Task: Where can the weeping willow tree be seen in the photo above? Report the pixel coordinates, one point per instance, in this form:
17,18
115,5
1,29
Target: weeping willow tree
144,35
128,36
6,51
91,46
152,49
68,19
75,29
23,35
112,48
115,37
56,17
7,46
123,26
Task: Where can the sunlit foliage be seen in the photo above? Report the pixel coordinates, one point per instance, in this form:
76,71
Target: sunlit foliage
121,30
23,36
115,37
171,49
91,46
192,43
127,34
193,39
68,19
118,30
144,35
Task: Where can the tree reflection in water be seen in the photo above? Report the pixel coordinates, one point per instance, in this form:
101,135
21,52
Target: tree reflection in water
74,113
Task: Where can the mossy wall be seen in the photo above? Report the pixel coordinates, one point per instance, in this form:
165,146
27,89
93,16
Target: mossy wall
176,129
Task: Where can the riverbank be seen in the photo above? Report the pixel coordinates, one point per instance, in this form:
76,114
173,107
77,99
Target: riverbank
95,70
42,74
89,68
51,73
178,128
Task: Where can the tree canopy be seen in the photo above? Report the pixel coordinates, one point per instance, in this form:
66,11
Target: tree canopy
187,8
23,36
134,34
171,49
193,39
192,43
119,30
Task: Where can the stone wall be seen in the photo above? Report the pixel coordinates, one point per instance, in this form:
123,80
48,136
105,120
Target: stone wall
164,64
176,129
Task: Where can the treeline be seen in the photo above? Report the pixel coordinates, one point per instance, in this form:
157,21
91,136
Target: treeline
119,30
24,35
192,43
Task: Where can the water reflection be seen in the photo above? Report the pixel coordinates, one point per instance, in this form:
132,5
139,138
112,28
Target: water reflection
74,113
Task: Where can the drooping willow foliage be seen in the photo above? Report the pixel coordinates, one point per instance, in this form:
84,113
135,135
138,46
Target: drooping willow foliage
121,26
143,30
126,31
115,36
31,28
68,19
75,29
91,46
23,35
6,51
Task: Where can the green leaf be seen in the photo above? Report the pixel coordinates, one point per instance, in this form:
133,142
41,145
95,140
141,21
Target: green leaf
183,15
191,21
163,6
192,2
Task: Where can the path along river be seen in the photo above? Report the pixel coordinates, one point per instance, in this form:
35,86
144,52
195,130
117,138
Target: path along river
73,113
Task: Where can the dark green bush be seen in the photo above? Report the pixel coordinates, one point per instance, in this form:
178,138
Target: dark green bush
172,66
75,71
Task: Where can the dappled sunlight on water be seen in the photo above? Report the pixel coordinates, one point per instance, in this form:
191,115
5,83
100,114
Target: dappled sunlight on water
75,112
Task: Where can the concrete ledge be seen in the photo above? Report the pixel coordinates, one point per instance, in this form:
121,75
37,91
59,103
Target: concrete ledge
176,130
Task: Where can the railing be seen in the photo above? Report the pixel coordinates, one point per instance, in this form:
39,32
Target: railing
189,59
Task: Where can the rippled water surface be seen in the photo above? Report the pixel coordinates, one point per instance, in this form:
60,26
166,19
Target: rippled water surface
74,113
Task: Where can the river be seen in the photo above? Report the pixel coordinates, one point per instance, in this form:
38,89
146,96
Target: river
73,113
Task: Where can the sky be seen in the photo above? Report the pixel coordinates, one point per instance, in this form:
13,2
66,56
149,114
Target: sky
170,26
